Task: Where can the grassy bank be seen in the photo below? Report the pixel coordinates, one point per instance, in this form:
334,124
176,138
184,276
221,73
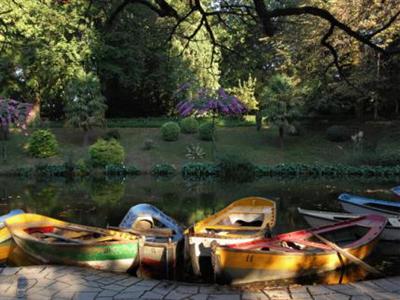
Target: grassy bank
260,147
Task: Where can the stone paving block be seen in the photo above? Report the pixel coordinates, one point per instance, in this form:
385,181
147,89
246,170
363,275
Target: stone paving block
128,296
64,295
129,281
316,290
300,296
332,297
137,289
148,283
384,296
387,285
85,295
298,289
150,295
187,289
344,289
10,271
108,293
199,297
174,295
361,297
59,286
106,280
277,293
223,297
37,297
216,289
35,271
164,288
113,287
43,282
254,296
366,287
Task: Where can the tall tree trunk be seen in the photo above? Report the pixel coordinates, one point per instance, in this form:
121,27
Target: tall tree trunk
35,112
4,133
86,137
281,134
258,120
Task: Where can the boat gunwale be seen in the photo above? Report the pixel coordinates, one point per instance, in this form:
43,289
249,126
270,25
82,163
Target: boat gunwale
366,200
364,240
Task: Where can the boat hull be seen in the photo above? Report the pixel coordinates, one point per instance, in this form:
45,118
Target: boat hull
120,257
358,209
159,260
241,267
390,233
199,249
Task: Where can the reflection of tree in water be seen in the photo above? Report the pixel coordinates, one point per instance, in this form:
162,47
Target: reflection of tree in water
41,198
106,191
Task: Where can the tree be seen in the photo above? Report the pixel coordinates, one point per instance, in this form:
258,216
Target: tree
281,103
85,107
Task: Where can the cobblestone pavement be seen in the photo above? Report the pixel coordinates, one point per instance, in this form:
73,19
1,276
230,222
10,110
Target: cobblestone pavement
59,282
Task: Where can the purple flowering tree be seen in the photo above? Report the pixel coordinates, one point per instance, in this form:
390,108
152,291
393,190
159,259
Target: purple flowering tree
206,102
13,112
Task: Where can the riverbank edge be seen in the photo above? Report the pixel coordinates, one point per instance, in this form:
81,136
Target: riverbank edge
200,171
65,282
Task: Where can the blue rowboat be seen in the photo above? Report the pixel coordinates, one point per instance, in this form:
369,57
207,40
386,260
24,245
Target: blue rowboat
396,190
361,205
163,240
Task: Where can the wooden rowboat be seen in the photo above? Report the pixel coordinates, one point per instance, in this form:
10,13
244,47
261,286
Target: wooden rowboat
396,190
243,220
5,235
54,241
298,253
163,240
361,205
317,218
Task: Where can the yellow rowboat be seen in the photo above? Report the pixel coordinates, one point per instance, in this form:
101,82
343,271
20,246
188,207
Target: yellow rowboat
298,253
5,235
54,241
243,220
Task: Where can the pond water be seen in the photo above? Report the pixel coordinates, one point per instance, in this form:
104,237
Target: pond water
104,201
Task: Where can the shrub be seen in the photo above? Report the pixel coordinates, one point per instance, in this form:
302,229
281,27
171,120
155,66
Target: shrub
170,131
112,134
206,131
103,153
198,170
163,170
47,170
234,167
194,152
189,125
338,133
121,170
42,143
148,144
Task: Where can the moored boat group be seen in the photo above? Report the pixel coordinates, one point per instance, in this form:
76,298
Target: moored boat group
235,245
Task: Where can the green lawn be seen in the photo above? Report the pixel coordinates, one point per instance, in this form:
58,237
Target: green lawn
259,147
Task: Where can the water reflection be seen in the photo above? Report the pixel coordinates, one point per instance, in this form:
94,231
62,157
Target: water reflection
104,201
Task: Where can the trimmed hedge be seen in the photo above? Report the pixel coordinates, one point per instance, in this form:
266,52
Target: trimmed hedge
42,143
189,125
206,131
103,153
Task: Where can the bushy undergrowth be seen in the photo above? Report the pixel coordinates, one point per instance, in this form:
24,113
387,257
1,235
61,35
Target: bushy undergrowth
235,167
103,153
163,170
42,143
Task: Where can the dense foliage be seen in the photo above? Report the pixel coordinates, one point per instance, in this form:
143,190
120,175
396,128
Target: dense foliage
103,153
42,143
127,58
